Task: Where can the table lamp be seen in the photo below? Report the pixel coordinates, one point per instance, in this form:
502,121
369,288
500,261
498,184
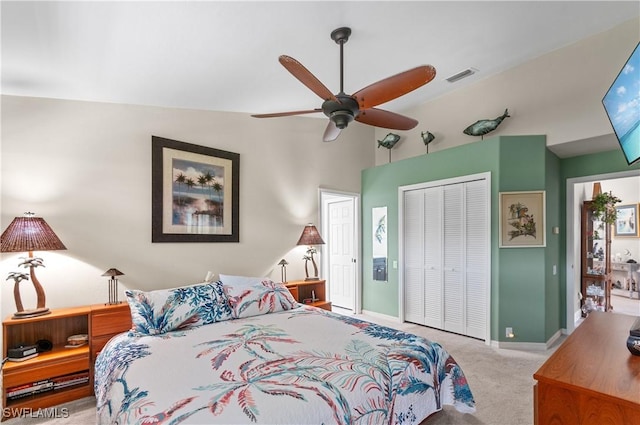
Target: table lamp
310,237
29,233
283,270
113,284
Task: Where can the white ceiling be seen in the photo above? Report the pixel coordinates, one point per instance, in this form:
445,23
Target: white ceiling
222,56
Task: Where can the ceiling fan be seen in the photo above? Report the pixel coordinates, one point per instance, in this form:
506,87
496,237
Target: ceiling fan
342,108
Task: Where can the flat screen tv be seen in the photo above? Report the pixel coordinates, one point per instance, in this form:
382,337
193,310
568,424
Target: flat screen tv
622,104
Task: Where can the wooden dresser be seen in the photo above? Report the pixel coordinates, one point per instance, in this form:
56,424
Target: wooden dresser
592,378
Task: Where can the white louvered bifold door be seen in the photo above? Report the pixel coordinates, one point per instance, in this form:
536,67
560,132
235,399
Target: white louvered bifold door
413,219
477,258
432,257
446,257
453,258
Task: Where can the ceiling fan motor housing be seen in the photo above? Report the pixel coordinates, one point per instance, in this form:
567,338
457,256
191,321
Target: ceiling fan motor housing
343,112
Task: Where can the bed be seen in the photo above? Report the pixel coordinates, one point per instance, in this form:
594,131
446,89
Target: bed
261,357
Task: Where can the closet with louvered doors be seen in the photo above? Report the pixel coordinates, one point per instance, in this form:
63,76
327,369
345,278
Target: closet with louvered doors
445,254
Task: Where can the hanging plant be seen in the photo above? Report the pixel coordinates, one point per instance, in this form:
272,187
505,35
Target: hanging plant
604,207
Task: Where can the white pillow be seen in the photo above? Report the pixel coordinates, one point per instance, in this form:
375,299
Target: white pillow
241,281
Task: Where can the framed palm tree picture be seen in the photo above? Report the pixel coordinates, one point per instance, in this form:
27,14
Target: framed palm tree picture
522,219
195,193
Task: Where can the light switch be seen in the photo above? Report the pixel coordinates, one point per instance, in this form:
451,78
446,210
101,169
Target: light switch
395,264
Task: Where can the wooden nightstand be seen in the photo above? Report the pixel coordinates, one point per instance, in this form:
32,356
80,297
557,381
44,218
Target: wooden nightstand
100,322
60,361
305,289
107,321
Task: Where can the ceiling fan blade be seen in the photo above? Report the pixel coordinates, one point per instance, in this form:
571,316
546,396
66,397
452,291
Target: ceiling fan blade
394,86
331,133
306,77
386,119
286,114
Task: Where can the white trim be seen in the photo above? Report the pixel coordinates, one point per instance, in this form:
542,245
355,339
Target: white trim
528,346
455,180
572,259
324,197
382,316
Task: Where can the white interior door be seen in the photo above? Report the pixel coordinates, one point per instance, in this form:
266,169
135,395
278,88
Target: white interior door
341,253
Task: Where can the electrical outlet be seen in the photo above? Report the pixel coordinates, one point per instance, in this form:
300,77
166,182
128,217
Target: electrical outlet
509,333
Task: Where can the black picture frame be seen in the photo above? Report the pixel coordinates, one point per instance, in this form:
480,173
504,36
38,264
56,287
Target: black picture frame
190,193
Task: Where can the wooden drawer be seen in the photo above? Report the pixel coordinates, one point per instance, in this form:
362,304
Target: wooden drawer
97,344
294,291
326,305
46,369
111,322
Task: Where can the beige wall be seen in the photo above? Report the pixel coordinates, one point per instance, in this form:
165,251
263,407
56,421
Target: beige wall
86,168
558,94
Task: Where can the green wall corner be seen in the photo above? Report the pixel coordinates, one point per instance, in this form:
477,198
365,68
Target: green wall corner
520,284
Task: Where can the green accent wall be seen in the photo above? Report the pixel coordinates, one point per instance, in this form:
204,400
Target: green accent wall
522,283
525,293
554,295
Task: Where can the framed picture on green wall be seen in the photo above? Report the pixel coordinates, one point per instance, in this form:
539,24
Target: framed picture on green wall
522,219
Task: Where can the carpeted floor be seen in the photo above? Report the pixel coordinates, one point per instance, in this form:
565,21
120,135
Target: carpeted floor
501,381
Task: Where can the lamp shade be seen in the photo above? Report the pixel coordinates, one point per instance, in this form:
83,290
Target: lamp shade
310,236
29,233
113,272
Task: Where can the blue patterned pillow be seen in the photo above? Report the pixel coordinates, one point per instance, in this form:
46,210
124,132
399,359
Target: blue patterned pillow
263,298
165,310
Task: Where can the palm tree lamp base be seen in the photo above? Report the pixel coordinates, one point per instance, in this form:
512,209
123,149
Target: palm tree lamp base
31,313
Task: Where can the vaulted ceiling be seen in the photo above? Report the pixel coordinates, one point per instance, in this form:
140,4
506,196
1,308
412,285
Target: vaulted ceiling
223,56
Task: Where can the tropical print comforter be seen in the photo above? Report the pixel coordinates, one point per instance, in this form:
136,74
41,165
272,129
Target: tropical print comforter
298,366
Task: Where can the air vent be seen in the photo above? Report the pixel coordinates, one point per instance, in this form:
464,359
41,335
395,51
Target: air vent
462,74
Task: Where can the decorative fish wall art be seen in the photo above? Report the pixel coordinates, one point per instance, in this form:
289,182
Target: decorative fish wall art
482,127
427,137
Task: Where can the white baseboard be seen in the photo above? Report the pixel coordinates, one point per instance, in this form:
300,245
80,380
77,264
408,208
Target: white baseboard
382,316
555,337
528,346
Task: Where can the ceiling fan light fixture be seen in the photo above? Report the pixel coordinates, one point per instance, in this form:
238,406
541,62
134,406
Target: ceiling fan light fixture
341,118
